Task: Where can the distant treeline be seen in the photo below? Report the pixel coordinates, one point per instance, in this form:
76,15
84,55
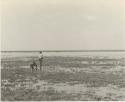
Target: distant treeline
70,51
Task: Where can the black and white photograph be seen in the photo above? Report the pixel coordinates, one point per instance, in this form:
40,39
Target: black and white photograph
62,50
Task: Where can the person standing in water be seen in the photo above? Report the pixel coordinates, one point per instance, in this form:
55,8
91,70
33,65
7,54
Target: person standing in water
40,59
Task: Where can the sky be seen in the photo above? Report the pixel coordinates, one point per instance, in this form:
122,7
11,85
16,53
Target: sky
63,25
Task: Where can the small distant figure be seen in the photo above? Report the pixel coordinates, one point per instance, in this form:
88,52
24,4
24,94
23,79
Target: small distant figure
40,59
33,66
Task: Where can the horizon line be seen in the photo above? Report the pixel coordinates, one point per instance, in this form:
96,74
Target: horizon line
114,50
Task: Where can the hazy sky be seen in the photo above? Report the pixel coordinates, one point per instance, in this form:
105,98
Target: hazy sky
63,24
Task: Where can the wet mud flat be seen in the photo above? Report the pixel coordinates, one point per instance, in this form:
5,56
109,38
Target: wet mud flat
64,78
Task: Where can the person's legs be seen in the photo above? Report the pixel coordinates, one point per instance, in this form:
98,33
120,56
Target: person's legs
40,61
31,67
36,66
40,64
